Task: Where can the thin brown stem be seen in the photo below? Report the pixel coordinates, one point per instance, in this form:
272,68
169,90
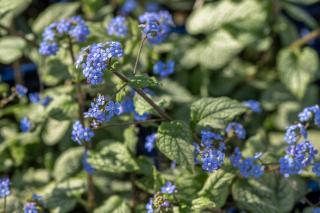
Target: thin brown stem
5,204
131,123
162,113
139,54
87,146
17,72
305,39
13,32
7,100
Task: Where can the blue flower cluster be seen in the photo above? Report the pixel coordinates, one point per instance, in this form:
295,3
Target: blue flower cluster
30,208
312,112
81,134
150,142
25,125
156,25
236,129
93,60
21,90
294,133
4,187
36,99
102,110
253,105
74,27
210,155
161,200
118,27
297,157
248,167
300,152
163,69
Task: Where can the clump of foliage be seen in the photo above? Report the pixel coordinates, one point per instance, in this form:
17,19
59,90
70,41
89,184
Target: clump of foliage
133,116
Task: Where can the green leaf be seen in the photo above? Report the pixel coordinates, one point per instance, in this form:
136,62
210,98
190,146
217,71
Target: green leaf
54,13
304,2
271,193
55,131
54,71
9,5
114,204
300,15
214,15
202,203
297,69
142,81
213,53
177,92
68,163
216,187
131,138
141,106
174,140
61,197
114,157
215,112
11,48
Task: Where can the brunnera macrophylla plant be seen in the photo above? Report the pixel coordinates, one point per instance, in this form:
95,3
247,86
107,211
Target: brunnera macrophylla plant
116,133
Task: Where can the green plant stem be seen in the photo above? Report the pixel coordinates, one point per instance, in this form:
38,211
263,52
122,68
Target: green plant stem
13,32
162,113
139,54
130,123
5,204
305,39
87,146
7,100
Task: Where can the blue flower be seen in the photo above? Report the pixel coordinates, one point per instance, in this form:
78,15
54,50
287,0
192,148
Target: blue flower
86,166
152,6
156,25
143,117
310,112
93,60
129,6
74,27
237,129
30,208
149,206
127,106
81,134
46,101
118,27
150,141
25,124
168,188
294,132
208,137
316,210
34,98
113,108
4,187
316,169
21,90
253,105
96,109
163,69
248,167
212,159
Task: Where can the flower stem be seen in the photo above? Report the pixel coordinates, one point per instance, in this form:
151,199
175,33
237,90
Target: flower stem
81,102
5,204
139,54
305,39
162,113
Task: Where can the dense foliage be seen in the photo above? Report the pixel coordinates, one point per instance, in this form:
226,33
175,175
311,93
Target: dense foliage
134,113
